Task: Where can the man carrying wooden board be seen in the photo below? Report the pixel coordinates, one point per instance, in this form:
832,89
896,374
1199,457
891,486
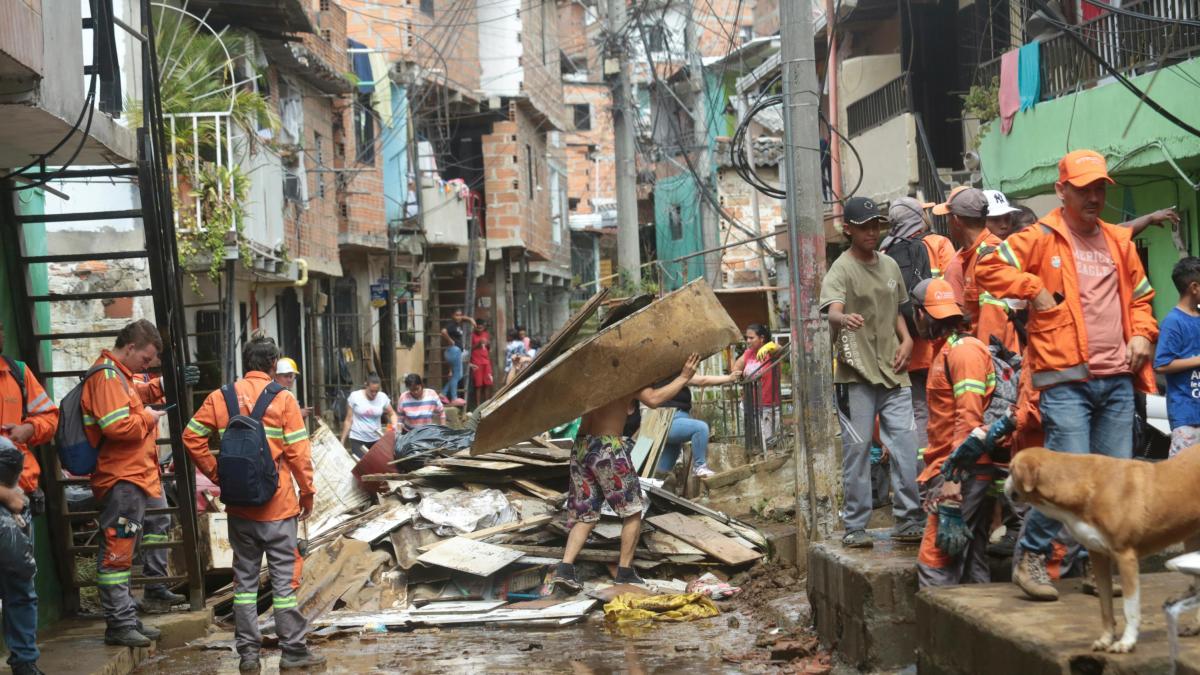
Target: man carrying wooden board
602,471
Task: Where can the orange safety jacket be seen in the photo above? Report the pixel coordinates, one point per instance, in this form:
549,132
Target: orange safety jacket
116,420
987,315
286,435
37,409
956,403
941,253
1041,257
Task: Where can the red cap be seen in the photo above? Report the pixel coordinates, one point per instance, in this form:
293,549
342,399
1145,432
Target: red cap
1082,168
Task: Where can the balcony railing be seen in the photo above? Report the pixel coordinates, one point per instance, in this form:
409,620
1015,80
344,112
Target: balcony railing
1132,45
878,107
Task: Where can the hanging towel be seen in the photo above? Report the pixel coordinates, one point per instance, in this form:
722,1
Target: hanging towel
1030,75
1010,91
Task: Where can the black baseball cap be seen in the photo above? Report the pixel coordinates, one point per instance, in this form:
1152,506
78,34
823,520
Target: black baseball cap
860,210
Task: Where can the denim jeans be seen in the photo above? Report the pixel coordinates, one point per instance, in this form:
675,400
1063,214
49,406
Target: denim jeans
20,616
453,356
684,429
1094,417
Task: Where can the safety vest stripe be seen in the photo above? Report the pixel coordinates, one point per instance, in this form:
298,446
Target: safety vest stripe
198,428
1142,288
989,299
969,386
40,404
112,578
88,420
154,538
284,603
296,436
273,432
245,598
1007,254
114,416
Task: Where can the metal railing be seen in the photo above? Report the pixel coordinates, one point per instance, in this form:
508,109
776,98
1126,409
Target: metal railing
754,413
1133,46
878,107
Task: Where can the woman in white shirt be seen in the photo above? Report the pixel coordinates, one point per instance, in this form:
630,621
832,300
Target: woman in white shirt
364,417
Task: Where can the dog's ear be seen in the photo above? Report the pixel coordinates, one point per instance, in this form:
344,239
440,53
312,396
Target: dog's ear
1026,474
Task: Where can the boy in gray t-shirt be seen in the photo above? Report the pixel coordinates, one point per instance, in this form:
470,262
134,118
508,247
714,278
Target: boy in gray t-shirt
862,294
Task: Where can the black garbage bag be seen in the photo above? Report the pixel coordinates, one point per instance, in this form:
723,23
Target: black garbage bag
16,546
432,437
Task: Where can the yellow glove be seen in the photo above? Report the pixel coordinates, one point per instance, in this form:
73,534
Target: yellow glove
766,350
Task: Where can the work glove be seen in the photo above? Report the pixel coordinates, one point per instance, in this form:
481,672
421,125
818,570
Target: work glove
952,533
766,350
958,465
191,375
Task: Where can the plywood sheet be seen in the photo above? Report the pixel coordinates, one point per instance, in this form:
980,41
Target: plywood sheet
616,362
460,607
669,545
704,538
377,528
337,488
472,557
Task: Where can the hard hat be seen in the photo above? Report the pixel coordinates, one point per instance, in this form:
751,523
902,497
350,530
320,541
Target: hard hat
286,366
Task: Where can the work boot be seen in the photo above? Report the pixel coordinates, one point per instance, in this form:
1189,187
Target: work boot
126,637
301,659
163,595
1031,576
909,533
26,669
1089,581
149,631
858,539
628,575
564,575
249,664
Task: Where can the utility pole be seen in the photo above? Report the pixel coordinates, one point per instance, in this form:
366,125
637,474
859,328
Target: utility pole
629,256
812,377
709,237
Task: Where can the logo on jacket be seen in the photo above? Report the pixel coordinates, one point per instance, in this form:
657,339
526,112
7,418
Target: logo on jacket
1056,262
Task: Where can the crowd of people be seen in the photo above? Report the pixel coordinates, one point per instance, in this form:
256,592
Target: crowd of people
1018,331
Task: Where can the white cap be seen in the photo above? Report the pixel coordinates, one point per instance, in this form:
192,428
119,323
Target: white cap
998,204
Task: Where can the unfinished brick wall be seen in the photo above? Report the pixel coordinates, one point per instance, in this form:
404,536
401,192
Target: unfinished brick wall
540,62
329,40
591,167
407,34
766,17
741,264
362,217
311,229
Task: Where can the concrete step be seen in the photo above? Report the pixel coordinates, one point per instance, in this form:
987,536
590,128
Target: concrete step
76,645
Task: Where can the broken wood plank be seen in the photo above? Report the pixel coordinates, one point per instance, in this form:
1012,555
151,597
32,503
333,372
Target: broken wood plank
607,530
704,538
483,465
669,545
523,450
500,457
587,554
377,528
540,491
470,556
618,361
656,424
458,607
497,529
564,611
743,529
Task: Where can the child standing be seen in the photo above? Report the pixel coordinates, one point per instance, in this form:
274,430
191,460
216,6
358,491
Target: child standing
1178,356
862,294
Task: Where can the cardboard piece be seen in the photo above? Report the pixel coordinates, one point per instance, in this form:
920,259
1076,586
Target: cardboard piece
472,557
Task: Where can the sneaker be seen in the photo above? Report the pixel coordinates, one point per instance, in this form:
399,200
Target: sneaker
26,669
858,539
126,637
1031,576
149,631
1089,581
249,664
564,574
445,401
702,471
458,402
163,595
304,659
910,533
628,575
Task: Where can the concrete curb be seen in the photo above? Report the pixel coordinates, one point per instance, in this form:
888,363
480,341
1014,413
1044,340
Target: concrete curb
77,645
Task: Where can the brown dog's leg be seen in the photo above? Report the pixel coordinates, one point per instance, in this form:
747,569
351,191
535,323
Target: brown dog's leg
1102,567
1127,563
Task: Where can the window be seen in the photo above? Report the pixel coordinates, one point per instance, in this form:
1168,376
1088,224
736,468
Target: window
529,168
747,33
676,222
294,185
573,203
656,36
320,155
558,203
583,116
364,129
427,7
324,5
409,39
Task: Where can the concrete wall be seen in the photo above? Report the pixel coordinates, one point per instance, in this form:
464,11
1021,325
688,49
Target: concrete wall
500,38
889,156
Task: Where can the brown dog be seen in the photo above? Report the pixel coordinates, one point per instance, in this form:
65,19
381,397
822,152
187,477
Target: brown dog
1119,509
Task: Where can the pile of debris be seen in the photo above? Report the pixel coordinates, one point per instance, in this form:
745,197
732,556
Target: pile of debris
462,540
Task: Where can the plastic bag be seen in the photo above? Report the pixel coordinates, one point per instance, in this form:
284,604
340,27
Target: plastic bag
456,511
710,586
431,437
16,546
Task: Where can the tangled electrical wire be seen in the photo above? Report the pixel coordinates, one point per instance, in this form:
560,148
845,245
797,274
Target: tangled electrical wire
744,168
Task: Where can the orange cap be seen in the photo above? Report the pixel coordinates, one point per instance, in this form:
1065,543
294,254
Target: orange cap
943,209
936,296
1082,167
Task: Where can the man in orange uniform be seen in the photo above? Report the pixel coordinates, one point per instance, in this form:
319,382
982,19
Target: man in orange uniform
271,528
116,421
961,382
1080,275
907,218
27,417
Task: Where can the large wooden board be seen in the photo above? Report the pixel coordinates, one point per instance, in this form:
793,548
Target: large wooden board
704,538
472,557
616,362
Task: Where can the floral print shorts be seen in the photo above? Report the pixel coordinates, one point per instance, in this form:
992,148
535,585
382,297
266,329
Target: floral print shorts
601,470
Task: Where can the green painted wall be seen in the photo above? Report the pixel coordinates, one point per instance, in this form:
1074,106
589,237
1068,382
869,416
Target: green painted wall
31,202
1142,160
669,193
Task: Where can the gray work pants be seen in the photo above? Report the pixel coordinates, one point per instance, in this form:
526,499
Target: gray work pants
121,516
920,406
858,405
934,567
250,540
154,560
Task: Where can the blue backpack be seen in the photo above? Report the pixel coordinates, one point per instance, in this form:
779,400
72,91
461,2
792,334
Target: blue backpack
245,468
75,451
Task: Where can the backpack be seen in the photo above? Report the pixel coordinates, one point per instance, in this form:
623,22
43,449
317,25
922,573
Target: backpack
1007,367
913,258
245,469
75,451
18,370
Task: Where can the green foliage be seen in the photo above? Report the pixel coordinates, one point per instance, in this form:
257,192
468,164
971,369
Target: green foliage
983,102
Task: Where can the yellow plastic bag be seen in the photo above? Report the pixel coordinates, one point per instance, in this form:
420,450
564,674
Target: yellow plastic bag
678,607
